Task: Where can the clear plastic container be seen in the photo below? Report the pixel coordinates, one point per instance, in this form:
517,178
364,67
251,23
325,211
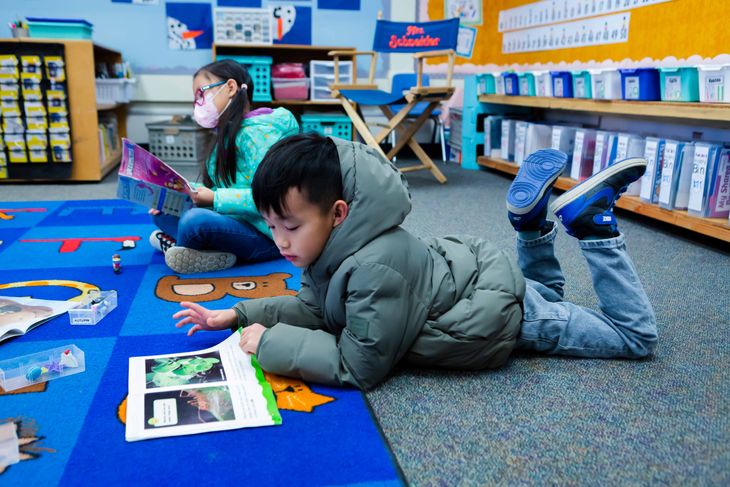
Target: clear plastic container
290,88
34,368
94,309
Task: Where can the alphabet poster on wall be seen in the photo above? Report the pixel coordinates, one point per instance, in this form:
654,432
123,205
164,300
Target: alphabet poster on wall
189,26
292,24
609,29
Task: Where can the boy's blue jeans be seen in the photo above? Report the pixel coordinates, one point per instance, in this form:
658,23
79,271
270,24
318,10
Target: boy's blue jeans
204,229
625,327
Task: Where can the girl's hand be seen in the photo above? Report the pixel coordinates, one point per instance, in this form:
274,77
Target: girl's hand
204,319
250,337
153,212
203,196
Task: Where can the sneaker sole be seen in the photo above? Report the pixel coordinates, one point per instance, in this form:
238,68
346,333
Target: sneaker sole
530,184
188,261
587,185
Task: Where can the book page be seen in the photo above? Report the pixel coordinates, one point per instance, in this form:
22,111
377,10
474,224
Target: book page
146,180
216,389
18,315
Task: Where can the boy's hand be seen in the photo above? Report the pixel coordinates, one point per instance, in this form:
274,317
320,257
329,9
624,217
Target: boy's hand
153,212
203,197
203,318
250,337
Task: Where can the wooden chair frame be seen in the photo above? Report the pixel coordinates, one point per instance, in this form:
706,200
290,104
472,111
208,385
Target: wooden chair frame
405,129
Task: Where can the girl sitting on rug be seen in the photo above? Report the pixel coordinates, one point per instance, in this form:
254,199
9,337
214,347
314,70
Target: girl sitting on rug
225,226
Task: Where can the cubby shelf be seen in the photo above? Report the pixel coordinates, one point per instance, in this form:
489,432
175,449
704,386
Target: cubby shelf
80,57
713,227
715,112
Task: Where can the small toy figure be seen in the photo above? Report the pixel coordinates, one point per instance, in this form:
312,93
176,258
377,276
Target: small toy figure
35,373
68,360
116,263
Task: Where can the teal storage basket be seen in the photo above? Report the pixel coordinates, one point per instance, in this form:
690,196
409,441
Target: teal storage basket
582,84
486,84
59,28
259,67
679,84
329,125
526,84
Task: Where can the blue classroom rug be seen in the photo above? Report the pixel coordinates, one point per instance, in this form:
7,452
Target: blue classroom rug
71,429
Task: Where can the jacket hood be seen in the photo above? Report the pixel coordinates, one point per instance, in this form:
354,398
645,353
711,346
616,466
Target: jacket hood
279,118
378,197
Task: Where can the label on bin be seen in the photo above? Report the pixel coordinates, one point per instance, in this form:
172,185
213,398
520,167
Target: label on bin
580,88
600,88
558,87
631,87
714,86
672,88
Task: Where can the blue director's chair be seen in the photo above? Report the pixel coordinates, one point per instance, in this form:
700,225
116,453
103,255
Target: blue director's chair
425,40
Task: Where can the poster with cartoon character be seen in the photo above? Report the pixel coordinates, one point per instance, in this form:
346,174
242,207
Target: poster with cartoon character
292,24
189,26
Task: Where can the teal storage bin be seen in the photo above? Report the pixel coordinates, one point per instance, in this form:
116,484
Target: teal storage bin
526,84
486,84
582,84
59,28
259,67
329,125
679,84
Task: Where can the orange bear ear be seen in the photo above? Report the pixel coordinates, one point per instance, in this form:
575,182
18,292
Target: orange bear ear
279,275
122,411
295,395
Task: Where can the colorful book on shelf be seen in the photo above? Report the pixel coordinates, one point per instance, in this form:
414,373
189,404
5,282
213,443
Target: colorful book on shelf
652,178
563,139
492,133
145,179
709,194
676,175
507,144
220,388
583,153
630,145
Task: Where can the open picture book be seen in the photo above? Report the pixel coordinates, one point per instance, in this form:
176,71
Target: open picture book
220,388
20,315
147,180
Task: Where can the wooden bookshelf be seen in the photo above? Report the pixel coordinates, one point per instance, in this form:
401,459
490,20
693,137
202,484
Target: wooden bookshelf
288,53
80,57
712,227
713,112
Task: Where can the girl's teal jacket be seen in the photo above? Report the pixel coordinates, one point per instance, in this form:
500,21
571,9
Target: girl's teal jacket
257,134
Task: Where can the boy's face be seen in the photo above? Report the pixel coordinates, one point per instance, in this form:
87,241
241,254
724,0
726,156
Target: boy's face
302,232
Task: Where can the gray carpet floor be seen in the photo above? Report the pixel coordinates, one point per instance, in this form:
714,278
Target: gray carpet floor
558,421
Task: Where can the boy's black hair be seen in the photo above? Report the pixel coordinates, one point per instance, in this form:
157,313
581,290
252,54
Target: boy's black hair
308,162
229,122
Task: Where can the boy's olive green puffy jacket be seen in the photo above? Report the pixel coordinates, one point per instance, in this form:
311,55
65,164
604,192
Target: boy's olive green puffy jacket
378,295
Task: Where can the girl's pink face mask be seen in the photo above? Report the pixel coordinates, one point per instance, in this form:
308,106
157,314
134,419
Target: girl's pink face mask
206,113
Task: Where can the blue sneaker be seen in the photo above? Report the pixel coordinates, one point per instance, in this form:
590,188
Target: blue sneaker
586,210
529,193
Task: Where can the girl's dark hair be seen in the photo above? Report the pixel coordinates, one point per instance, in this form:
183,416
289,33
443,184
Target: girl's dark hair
306,161
229,123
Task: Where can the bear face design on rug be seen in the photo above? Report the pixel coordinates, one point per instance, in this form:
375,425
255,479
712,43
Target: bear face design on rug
198,290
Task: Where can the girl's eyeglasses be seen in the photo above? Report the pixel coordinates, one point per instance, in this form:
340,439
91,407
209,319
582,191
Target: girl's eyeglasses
199,98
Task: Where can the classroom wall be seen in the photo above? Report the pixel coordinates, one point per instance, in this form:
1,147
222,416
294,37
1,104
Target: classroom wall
672,33
140,31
